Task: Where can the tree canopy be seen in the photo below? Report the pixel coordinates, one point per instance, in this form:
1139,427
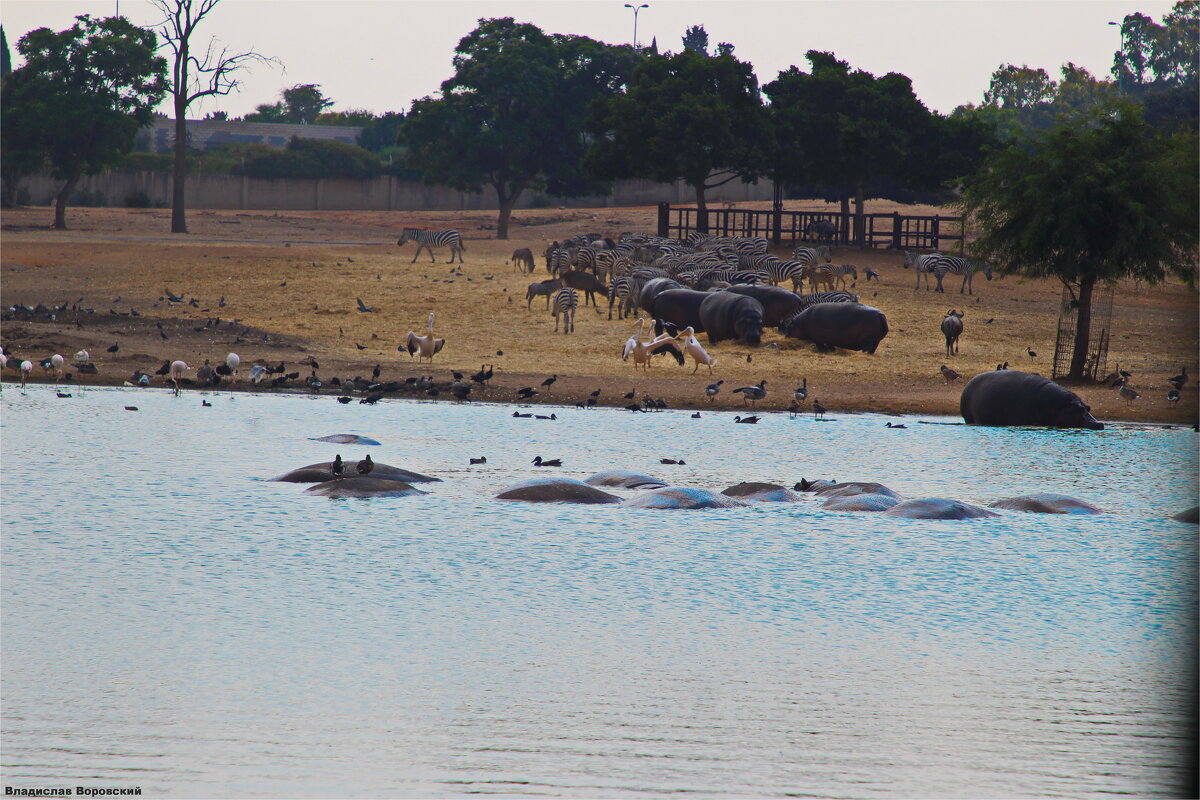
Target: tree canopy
300,105
1091,200
683,117
82,95
510,117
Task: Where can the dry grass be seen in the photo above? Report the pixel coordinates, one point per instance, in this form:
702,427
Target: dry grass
296,276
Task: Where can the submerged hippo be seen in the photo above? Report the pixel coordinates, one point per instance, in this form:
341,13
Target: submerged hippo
861,502
1009,397
732,316
680,497
363,486
762,493
850,326
345,438
1046,503
624,479
315,473
937,508
852,488
556,490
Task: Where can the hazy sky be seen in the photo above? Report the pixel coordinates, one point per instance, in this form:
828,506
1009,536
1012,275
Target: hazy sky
381,54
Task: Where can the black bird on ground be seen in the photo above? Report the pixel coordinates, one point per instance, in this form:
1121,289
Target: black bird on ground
343,400
164,369
1032,354
526,392
629,395
375,372
363,306
1173,396
546,384
360,346
554,462
1179,380
634,407
594,394
114,348
818,409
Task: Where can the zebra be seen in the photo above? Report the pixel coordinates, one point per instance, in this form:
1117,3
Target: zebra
952,328
817,274
957,266
842,270
810,255
624,289
839,296
566,301
921,263
430,239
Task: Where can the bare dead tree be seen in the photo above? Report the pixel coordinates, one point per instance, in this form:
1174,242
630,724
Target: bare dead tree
193,77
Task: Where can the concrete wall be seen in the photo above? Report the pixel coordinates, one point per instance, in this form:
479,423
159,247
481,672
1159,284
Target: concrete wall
371,194
206,133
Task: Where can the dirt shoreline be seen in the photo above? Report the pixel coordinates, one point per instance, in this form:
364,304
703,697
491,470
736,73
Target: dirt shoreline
294,278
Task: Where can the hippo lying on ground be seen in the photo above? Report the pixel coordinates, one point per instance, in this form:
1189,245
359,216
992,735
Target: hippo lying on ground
850,326
778,303
682,307
648,296
1009,397
732,316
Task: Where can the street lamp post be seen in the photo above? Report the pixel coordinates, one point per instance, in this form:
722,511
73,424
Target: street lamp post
636,9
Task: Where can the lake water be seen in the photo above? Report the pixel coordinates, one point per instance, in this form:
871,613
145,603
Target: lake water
175,622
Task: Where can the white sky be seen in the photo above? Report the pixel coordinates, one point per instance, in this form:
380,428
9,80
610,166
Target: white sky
382,54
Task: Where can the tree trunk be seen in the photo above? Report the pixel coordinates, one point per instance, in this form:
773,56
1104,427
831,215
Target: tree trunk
60,202
859,220
506,201
1083,325
179,172
844,229
701,209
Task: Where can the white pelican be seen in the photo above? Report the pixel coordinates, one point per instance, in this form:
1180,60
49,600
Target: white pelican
642,351
426,346
56,361
177,370
692,347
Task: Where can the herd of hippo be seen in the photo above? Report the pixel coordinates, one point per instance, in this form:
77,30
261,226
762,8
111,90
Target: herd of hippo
653,493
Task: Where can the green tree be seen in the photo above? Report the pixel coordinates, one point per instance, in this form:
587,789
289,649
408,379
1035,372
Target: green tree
381,132
313,158
5,56
1158,63
194,75
683,117
1094,199
351,117
510,117
850,130
304,102
88,90
21,150
696,40
1020,99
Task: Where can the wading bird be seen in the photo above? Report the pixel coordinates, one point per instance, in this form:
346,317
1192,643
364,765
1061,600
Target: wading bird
426,345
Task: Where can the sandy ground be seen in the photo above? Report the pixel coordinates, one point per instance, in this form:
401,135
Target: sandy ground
284,286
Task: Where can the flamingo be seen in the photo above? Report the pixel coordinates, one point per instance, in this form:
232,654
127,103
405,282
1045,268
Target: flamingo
426,345
233,360
26,368
692,347
82,357
3,364
56,361
177,370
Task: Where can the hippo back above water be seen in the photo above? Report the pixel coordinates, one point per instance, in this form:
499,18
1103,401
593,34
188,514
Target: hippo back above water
1008,397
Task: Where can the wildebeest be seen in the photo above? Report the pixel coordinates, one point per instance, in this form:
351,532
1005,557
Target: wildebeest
544,288
585,282
952,328
523,259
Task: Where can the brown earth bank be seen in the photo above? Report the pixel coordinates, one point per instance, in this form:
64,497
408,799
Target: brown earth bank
282,287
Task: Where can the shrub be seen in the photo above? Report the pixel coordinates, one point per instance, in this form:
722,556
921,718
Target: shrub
138,199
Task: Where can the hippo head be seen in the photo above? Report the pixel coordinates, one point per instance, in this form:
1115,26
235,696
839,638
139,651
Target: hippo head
1077,414
749,327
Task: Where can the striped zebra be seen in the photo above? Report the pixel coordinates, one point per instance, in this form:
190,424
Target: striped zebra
842,270
953,265
430,239
921,263
818,275
566,301
624,292
839,296
811,255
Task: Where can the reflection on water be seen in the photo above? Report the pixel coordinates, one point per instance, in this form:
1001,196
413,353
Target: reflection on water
171,620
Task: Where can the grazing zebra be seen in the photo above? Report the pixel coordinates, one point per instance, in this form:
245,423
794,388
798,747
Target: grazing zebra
817,275
566,301
810,255
954,265
842,270
921,263
429,239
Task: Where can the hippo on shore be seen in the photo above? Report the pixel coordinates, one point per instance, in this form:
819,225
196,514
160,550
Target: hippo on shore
778,303
648,296
682,307
1008,397
732,316
850,326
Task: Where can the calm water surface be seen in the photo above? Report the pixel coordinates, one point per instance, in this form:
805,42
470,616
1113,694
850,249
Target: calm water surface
172,620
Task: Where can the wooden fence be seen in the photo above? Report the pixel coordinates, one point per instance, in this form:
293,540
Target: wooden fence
895,230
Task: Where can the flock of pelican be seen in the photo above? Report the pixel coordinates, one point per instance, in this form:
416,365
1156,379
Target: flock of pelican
666,342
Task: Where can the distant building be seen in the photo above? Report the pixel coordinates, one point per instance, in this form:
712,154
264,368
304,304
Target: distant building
207,133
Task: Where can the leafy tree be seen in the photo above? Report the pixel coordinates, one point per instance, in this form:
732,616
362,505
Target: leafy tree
851,130
382,132
5,56
268,113
1157,65
1018,87
85,93
696,40
1094,199
194,76
21,151
683,117
304,102
352,117
1020,99
313,158
511,115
